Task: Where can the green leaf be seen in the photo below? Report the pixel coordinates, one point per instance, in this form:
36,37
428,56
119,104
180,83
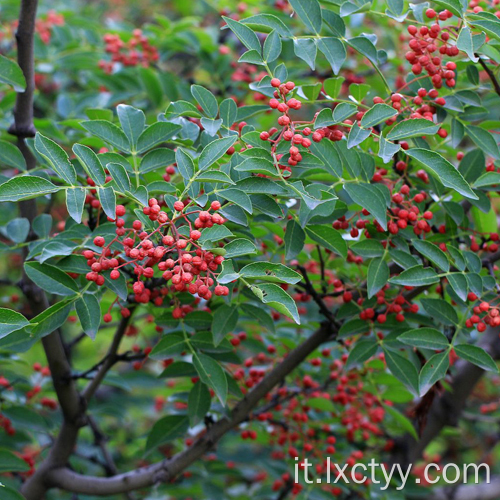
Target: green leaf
306,49
270,271
403,370
387,149
211,126
277,298
357,135
272,47
167,429
377,114
215,233
472,165
321,404
108,132
56,157
214,151
132,121
246,35
212,374
10,494
424,338
178,369
263,317
206,100
198,320
107,198
238,247
267,22
416,276
377,277
185,164
333,86
257,166
487,179
17,229
435,369
368,248
326,152
11,74
417,127
459,284
91,164
364,47
11,156
328,237
199,402
477,356
362,350
464,42
441,311
42,224
443,170
50,278
487,22
334,51
309,12
343,110
225,319
433,253
228,111
370,198
238,197
51,319
401,421
11,463
214,176
171,343
89,314
156,134
75,201
483,140
294,239
454,6
11,321
120,176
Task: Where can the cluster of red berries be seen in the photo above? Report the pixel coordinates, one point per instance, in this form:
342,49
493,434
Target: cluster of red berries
424,53
396,306
136,51
483,314
416,105
178,257
6,425
403,213
288,132
288,413
489,242
44,26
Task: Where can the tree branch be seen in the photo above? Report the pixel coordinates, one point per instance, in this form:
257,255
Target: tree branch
23,111
168,469
493,78
109,360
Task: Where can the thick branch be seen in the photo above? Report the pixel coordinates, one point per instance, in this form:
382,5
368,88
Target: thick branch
168,469
23,111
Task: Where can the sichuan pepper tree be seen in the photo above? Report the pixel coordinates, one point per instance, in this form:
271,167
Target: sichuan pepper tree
213,268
